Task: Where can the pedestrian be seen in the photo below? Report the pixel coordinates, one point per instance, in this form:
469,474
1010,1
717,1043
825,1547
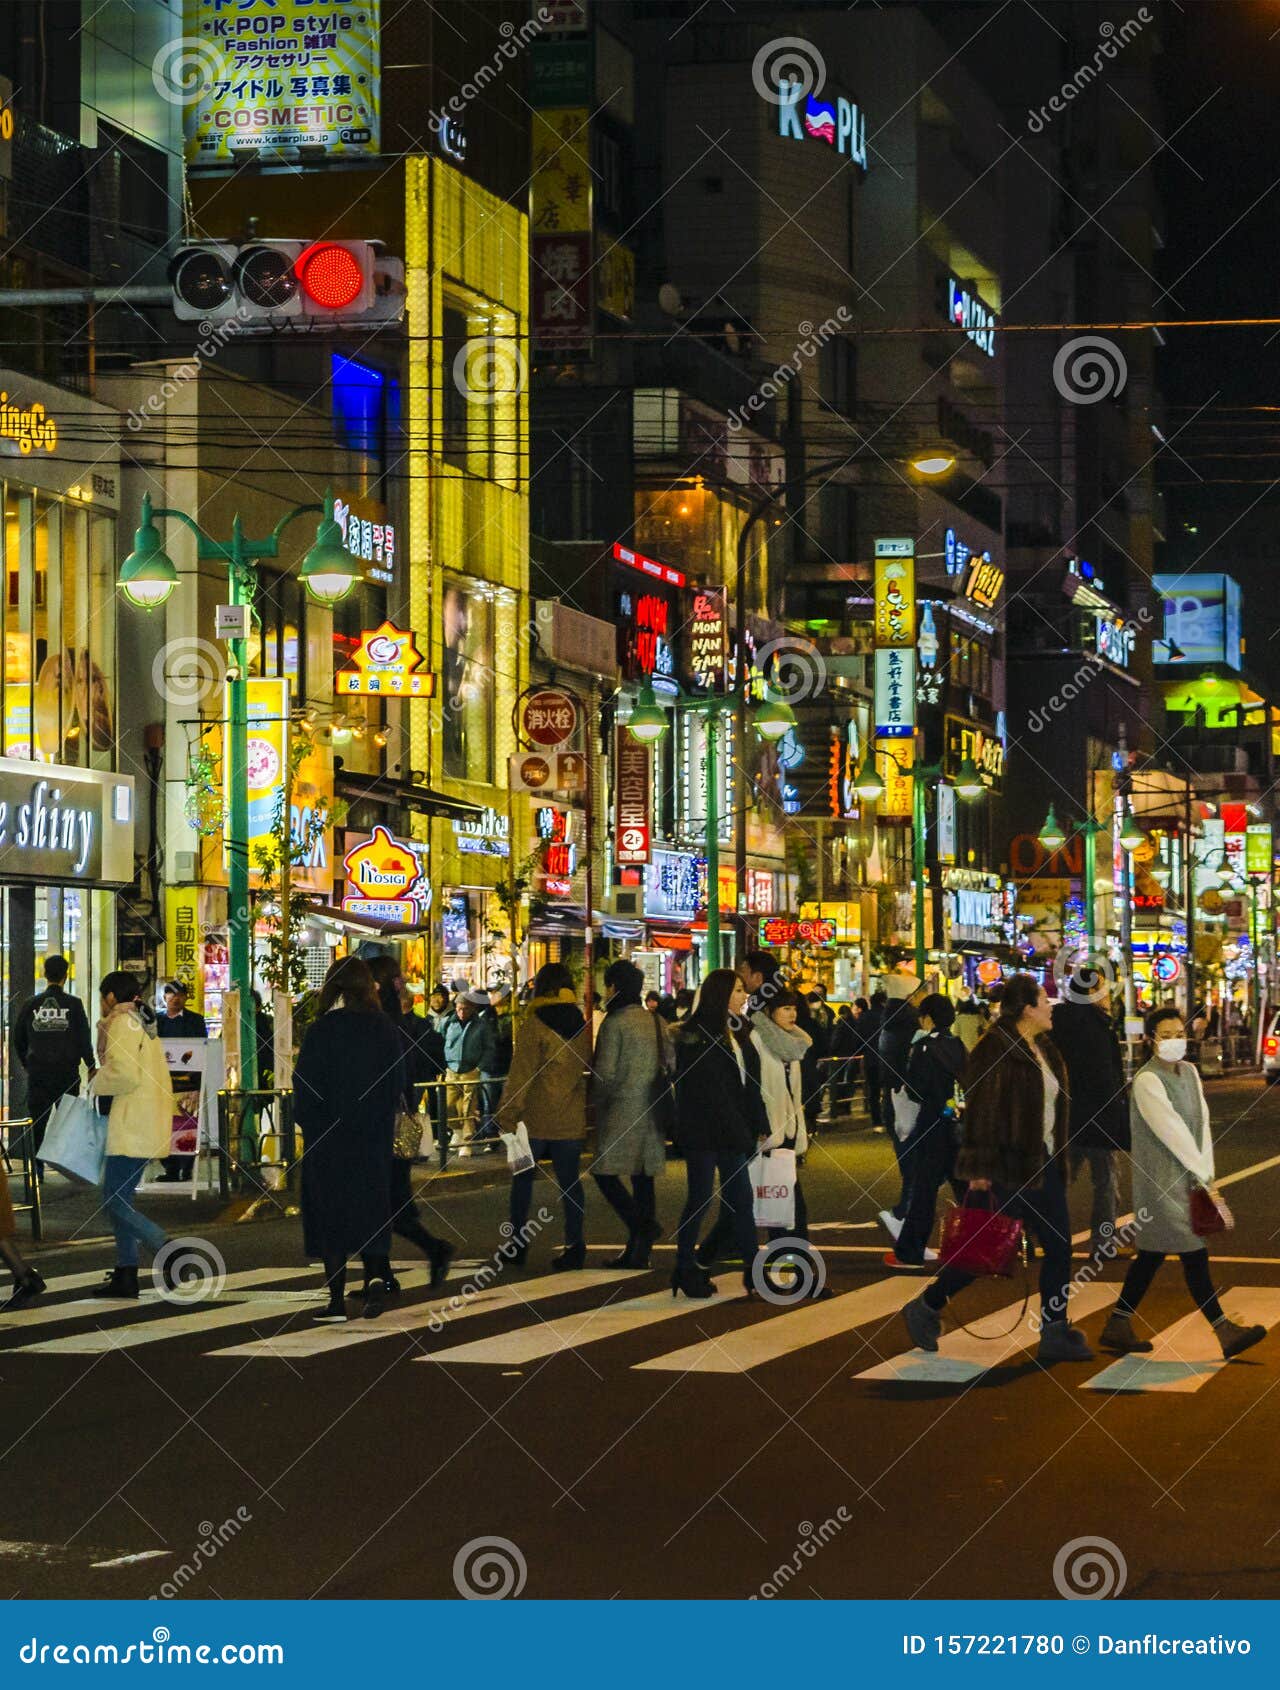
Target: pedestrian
406,1219
188,1025
547,1091
27,1283
971,1018
134,1080
1099,1124
683,1004
468,1052
492,1078
667,1009
438,1007
869,1025
651,999
1012,1145
934,1066
51,1039
632,1056
347,1085
264,1032
782,1046
1171,1155
846,1047
720,1122
898,1027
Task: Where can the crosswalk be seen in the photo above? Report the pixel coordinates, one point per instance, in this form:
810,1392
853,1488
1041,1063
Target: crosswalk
523,1322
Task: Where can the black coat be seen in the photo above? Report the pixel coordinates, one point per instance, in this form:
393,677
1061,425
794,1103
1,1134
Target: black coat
933,1068
715,1111
347,1086
897,1029
1094,1060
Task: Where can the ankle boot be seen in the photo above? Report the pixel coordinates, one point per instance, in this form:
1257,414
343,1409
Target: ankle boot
120,1282
692,1280
24,1291
572,1256
628,1257
1118,1334
1236,1339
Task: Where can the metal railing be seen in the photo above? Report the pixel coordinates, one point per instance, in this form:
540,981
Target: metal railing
31,1204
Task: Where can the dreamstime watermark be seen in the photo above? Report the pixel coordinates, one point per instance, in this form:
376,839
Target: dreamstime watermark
788,68
1089,368
489,1569
813,1539
185,70
793,667
809,345
513,44
1113,39
485,1275
213,337
188,1270
788,1271
1114,1240
487,371
188,672
1089,1569
1083,974
212,1539
1120,638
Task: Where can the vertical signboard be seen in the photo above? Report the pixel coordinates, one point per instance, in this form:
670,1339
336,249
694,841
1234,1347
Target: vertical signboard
261,76
182,941
709,638
560,231
895,593
893,765
895,694
633,790
1257,848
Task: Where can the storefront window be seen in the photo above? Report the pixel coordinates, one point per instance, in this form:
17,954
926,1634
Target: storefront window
467,682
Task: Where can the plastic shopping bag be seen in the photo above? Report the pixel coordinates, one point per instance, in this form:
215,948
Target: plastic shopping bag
906,1112
773,1182
75,1141
519,1155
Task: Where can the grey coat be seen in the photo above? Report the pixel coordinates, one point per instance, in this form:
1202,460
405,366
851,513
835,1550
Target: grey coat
625,1065
1161,1181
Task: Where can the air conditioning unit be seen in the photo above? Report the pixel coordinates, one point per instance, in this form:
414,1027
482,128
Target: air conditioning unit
628,900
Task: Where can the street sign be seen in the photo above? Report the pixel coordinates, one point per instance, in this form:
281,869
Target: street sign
548,771
231,622
386,663
548,717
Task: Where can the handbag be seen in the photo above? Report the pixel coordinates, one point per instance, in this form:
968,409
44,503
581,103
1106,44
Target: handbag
410,1129
1209,1214
75,1141
981,1241
773,1186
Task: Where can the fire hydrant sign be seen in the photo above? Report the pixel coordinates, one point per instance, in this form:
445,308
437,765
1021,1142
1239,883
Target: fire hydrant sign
548,717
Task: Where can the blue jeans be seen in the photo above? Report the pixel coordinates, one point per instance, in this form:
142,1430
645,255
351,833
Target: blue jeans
565,1156
737,1204
119,1182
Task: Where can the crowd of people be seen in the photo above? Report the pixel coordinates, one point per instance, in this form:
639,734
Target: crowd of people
1006,1109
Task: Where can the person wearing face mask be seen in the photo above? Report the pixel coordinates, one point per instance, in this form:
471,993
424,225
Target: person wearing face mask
1172,1152
1012,1145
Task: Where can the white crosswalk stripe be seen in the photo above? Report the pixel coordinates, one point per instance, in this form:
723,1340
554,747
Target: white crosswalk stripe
321,1340
1186,1354
962,1356
83,1308
572,1331
793,1329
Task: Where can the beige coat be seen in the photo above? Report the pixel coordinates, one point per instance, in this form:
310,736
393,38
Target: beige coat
547,1085
134,1076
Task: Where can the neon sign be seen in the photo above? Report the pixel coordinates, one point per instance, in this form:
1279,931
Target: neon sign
838,123
971,314
794,930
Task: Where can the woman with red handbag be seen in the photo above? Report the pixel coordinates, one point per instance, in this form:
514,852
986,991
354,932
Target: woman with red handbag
1174,1209
1015,1131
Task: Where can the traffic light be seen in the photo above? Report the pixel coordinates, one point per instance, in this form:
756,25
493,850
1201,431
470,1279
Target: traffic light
271,286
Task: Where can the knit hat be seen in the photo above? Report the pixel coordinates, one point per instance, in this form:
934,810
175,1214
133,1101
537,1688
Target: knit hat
479,999
901,984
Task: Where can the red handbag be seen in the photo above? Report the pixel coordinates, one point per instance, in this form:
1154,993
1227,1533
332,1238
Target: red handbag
1209,1214
980,1240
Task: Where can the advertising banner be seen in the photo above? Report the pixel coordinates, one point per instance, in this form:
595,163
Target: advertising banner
632,837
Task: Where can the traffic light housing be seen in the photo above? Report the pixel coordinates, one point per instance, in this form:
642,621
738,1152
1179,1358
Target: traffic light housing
277,286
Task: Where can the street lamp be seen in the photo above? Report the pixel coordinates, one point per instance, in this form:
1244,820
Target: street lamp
1053,838
868,784
772,718
147,576
1131,834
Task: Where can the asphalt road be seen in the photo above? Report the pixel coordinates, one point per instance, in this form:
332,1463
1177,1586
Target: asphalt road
747,1457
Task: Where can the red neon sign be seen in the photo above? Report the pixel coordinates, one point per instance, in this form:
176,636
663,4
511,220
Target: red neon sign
649,566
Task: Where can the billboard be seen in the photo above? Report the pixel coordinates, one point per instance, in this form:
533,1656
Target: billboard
263,76
1201,619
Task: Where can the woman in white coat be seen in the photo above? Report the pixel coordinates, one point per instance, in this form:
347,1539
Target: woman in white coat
782,1046
132,1074
1172,1154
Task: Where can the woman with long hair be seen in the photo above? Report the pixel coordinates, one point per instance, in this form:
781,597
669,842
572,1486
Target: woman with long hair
348,1083
720,1120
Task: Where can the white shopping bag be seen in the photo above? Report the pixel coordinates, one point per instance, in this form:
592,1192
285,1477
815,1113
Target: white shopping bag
75,1141
906,1112
773,1181
519,1155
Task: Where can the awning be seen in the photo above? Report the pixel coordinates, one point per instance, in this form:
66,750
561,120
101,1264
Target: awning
415,796
343,921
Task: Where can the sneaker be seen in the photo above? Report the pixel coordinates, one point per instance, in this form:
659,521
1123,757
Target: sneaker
892,1260
1118,1335
891,1224
1235,1340
924,1325
1060,1341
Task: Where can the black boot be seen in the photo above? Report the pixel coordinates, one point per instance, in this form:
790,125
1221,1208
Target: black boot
693,1281
572,1256
439,1256
24,1291
629,1257
120,1282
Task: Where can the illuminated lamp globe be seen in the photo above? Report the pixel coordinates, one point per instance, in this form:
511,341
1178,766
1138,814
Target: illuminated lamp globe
969,782
1160,874
1051,835
868,783
147,575
648,721
329,571
773,718
1131,835
933,463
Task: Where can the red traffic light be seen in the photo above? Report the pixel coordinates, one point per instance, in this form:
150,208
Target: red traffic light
332,276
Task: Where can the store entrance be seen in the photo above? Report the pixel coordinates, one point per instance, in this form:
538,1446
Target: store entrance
36,922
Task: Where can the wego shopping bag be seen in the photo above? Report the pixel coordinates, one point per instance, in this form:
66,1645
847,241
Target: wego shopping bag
773,1185
75,1142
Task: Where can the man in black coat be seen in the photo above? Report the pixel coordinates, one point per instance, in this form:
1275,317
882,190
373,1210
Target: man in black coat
51,1039
869,1024
1099,1121
898,1028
